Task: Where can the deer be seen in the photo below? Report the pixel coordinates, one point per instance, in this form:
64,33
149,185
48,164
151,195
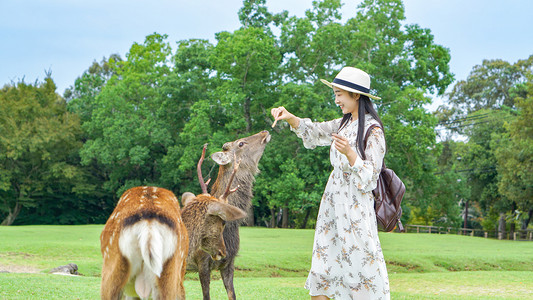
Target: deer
144,246
248,151
146,241
206,234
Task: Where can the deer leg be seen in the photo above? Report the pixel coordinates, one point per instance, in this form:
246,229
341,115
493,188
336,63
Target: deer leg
204,271
181,288
169,282
114,277
227,277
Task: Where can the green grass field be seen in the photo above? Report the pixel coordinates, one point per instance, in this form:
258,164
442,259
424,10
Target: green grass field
273,264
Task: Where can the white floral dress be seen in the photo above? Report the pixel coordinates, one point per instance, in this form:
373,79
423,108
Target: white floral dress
347,260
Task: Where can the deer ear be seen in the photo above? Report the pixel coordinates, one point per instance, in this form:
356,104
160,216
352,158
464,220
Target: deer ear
222,158
187,198
225,211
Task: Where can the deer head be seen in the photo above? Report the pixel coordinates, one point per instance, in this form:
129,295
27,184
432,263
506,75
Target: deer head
249,150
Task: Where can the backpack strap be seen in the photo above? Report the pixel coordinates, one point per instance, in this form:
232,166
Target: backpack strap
368,134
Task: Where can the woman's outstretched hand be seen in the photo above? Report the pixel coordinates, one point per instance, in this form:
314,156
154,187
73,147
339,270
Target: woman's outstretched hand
280,113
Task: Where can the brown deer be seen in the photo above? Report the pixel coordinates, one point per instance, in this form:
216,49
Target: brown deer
144,246
205,233
248,151
145,242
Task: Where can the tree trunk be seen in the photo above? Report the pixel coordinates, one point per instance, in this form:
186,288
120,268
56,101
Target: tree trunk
250,217
501,227
285,219
512,227
525,223
12,215
466,217
278,217
272,218
306,218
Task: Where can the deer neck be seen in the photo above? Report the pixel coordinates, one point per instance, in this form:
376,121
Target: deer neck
242,198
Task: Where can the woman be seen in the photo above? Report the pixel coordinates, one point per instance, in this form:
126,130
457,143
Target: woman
347,261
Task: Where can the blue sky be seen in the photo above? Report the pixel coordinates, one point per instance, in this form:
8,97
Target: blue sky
66,36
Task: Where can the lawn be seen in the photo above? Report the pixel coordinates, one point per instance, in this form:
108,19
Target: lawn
274,262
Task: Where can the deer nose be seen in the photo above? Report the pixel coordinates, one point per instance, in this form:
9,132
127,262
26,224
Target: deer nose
266,137
220,255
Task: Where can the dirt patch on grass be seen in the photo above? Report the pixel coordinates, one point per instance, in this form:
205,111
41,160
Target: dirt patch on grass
16,254
405,267
18,269
14,267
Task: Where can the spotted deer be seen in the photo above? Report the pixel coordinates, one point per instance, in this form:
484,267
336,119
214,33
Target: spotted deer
144,246
248,151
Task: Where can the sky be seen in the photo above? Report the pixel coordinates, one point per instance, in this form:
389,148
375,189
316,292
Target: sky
66,36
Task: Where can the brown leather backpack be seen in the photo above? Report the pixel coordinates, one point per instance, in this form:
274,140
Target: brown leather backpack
388,194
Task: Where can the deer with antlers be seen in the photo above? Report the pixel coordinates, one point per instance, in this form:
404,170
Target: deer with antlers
238,162
205,217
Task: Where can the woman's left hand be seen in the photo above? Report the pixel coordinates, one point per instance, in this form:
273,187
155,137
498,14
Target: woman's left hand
343,146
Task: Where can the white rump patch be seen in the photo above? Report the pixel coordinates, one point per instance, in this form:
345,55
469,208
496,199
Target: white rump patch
147,245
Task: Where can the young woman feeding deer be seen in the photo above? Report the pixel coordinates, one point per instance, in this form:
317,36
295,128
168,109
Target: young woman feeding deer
347,261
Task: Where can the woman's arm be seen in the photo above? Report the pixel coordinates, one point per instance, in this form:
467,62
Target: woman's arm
312,133
367,171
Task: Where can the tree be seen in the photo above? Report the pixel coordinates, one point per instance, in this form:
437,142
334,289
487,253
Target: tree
491,85
189,88
38,152
514,153
80,97
479,109
127,131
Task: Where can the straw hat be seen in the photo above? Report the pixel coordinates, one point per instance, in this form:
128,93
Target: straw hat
352,80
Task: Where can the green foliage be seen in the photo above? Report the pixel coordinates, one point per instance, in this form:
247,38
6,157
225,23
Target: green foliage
491,85
492,109
80,97
514,154
145,118
127,132
39,164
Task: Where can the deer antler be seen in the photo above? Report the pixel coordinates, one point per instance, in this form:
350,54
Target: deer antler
203,184
224,198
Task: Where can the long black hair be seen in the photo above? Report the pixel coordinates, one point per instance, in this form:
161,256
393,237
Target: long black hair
365,106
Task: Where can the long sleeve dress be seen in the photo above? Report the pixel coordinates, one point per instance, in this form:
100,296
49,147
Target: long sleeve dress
347,261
